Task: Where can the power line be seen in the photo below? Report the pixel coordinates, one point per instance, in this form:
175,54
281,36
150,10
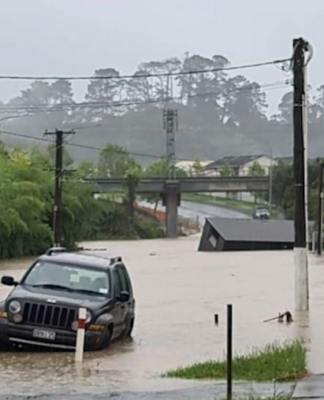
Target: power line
70,106
145,75
83,146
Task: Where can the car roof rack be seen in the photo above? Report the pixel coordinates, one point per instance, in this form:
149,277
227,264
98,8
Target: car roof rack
55,250
115,259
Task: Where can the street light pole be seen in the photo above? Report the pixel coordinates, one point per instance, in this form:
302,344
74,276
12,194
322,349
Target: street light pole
320,211
270,188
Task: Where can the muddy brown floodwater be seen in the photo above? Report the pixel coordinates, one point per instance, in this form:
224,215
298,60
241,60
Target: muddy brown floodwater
178,291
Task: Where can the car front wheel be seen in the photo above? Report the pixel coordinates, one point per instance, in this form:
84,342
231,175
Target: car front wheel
105,340
129,327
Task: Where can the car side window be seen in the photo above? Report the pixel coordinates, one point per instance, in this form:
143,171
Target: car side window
124,279
117,283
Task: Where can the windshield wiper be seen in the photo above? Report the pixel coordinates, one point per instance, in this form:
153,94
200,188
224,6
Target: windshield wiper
87,291
52,286
69,289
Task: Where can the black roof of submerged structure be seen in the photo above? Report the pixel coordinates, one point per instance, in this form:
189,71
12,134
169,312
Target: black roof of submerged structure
227,234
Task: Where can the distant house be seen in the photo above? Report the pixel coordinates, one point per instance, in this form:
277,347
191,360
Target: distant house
240,165
189,166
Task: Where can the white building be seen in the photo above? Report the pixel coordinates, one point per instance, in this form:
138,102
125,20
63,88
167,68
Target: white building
189,166
239,165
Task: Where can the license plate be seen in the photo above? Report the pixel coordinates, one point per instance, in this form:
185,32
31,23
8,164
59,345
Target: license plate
41,334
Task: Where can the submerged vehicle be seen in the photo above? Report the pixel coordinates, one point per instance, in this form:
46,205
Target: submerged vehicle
42,309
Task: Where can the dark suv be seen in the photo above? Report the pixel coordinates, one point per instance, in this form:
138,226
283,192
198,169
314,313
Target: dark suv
42,308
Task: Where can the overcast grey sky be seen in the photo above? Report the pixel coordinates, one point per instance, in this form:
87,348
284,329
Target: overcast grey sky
75,37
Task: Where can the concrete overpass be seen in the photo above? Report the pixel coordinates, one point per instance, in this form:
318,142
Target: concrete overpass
187,185
170,190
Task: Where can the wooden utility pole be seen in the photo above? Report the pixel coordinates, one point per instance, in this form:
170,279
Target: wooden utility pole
300,248
57,219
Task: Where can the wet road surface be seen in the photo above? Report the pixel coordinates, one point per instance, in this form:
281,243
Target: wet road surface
214,391
178,291
192,210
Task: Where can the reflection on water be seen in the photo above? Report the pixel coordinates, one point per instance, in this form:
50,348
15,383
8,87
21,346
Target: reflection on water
178,291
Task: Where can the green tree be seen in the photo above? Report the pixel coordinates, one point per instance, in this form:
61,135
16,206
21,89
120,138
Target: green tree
226,170
256,170
282,186
114,162
160,169
285,109
86,170
103,91
244,103
284,192
197,168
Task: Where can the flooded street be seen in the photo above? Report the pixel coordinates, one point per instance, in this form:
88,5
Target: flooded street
178,291
200,211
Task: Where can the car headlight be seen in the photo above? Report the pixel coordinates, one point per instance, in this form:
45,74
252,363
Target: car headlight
88,317
15,307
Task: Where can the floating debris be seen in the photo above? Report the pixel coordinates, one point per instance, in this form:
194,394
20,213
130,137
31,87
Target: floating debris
281,317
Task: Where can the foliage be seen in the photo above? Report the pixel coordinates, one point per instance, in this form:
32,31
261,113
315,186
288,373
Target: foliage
218,111
26,207
23,186
86,170
275,362
197,168
226,171
114,162
160,169
256,169
283,188
146,229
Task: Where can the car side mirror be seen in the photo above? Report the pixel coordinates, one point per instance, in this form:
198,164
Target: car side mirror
8,281
124,296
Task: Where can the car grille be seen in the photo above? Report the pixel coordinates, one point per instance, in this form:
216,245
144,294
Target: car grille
52,316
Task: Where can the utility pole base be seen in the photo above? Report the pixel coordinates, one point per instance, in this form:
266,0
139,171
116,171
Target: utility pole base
172,192
301,279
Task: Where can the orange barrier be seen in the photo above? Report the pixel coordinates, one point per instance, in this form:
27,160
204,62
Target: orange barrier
158,216
185,224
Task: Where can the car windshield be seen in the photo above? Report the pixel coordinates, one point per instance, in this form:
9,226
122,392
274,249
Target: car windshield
68,277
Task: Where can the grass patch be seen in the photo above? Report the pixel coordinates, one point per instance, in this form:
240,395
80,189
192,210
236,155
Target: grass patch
232,204
286,362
